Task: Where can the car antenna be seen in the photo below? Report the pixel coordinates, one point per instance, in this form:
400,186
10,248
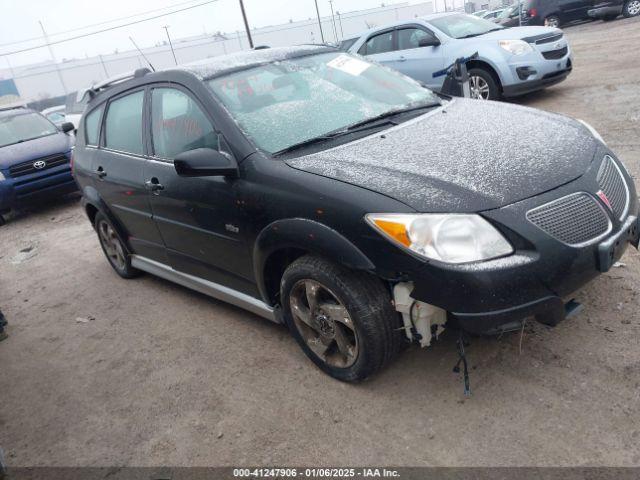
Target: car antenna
143,56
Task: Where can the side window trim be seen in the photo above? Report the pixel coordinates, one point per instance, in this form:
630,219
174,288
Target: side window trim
149,120
105,114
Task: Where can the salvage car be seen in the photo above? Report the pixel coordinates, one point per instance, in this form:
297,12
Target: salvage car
344,199
510,62
34,158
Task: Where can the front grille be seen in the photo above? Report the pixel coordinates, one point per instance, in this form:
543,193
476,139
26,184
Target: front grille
555,54
25,168
544,38
551,39
613,185
574,219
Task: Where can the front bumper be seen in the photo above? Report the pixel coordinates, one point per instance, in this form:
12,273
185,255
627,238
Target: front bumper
29,189
541,273
535,85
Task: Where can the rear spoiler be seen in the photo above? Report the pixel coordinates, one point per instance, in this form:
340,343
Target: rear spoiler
115,80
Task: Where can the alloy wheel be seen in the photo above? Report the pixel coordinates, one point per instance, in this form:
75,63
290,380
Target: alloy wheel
324,323
553,22
112,245
633,8
479,88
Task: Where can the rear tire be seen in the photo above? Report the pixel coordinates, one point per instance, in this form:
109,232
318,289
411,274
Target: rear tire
631,8
113,248
483,85
552,21
343,320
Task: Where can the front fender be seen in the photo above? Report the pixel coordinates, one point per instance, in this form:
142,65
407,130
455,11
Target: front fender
307,235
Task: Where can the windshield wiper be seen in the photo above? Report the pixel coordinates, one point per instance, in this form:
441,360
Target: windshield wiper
364,125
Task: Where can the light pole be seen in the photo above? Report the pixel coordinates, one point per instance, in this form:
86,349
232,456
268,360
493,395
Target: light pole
166,29
333,21
246,24
319,22
53,57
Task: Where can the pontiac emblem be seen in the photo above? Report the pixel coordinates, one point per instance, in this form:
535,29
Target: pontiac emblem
39,164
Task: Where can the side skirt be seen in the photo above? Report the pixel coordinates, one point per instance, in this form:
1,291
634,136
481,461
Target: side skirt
204,286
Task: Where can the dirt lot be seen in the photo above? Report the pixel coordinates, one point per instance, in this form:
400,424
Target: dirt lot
154,374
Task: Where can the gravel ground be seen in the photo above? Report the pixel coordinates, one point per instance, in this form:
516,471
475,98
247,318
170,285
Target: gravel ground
102,371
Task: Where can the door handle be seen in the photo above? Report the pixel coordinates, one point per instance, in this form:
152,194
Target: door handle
153,185
101,173
402,59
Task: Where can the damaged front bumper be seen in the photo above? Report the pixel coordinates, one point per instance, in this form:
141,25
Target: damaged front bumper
526,284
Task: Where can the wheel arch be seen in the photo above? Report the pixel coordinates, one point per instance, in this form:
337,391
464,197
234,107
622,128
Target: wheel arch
283,241
489,67
93,204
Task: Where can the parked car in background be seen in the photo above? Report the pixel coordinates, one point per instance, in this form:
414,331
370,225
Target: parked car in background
34,158
342,198
510,62
509,17
554,13
55,115
493,14
74,106
611,9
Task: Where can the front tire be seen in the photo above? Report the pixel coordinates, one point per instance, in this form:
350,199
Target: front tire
482,84
631,8
343,320
113,248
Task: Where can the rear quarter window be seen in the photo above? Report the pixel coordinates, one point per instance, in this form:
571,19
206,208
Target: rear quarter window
92,126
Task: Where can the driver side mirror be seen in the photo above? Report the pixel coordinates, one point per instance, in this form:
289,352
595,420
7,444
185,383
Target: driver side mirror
428,42
205,162
67,127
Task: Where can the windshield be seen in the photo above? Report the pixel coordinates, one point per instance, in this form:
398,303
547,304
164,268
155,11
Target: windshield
463,26
285,103
507,13
24,126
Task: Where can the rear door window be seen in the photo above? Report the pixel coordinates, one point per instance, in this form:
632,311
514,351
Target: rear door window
178,124
123,126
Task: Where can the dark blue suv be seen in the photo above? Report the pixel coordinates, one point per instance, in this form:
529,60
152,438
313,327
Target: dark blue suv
35,158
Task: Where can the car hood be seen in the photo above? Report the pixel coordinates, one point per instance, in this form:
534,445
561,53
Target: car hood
467,156
514,33
33,149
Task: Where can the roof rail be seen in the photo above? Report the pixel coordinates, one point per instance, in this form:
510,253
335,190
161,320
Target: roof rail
111,81
4,108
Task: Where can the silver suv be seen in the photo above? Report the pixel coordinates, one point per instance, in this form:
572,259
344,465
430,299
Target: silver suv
511,61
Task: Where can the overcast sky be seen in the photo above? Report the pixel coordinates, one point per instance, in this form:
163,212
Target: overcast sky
19,21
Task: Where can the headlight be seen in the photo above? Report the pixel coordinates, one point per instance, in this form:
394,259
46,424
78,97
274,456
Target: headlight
516,47
1,177
593,131
454,238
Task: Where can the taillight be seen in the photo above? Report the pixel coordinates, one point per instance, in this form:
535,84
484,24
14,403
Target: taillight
71,161
533,12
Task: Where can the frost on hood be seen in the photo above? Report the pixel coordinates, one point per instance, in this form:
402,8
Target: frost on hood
468,156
